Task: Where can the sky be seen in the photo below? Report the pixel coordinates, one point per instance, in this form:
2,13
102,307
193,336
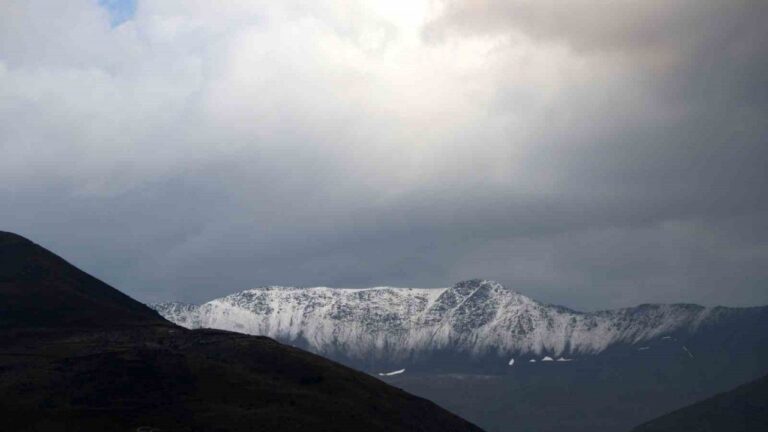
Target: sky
585,153
119,11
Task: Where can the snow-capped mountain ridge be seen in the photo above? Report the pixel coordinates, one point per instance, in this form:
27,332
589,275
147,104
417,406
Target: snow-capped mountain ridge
475,318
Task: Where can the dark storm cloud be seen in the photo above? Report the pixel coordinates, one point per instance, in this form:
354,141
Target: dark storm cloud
589,154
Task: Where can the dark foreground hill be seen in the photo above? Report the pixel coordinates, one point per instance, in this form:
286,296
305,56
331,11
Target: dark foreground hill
743,409
75,354
40,289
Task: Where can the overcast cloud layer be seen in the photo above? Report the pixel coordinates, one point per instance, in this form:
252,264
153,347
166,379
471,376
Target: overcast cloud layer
588,153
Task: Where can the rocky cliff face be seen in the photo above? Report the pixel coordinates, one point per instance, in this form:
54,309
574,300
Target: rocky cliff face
476,319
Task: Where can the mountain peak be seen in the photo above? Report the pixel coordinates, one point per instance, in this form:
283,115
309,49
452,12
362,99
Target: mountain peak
475,282
40,289
7,236
482,284
485,288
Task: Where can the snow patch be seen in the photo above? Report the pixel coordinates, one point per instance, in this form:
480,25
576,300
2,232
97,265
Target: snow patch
399,324
532,361
397,372
643,348
511,362
563,359
547,358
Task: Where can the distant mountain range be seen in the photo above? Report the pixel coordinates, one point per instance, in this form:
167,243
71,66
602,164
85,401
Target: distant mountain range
499,358
474,324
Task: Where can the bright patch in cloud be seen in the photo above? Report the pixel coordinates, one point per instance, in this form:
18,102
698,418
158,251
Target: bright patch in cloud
578,153
119,10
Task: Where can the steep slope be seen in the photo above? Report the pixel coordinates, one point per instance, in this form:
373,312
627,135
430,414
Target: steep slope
39,289
61,369
743,409
480,320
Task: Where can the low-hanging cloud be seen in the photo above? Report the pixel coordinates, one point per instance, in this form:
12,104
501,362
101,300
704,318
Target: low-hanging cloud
583,153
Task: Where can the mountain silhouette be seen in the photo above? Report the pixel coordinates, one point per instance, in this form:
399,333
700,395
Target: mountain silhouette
743,409
77,354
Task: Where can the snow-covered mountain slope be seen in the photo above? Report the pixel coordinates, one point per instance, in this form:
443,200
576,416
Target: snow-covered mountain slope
475,318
